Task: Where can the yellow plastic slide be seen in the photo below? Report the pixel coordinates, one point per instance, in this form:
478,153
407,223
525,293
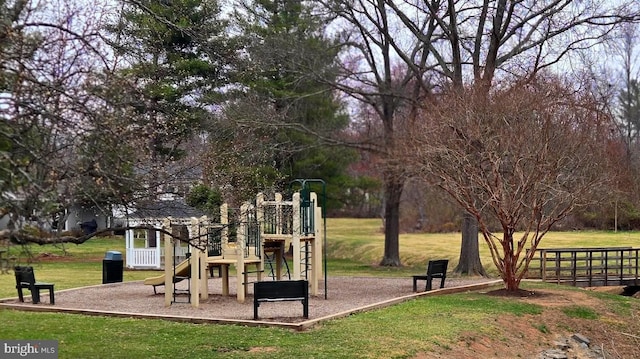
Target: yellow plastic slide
182,269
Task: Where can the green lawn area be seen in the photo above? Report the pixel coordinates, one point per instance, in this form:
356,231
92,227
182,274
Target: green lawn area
395,332
354,247
67,266
360,243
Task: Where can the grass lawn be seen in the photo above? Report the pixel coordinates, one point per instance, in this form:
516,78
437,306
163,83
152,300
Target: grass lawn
67,266
360,243
395,332
354,246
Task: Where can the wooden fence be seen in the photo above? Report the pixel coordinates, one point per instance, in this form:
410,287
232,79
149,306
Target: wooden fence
587,267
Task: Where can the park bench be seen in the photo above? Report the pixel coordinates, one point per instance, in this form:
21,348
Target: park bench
26,279
435,269
278,291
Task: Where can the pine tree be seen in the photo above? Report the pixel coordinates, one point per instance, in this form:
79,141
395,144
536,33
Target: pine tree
289,60
179,54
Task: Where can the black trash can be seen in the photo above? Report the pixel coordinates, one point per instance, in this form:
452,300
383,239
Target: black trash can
112,267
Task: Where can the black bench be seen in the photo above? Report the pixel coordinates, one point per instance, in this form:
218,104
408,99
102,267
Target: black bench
26,279
282,290
435,269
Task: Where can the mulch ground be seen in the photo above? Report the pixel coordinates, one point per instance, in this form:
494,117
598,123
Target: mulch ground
345,295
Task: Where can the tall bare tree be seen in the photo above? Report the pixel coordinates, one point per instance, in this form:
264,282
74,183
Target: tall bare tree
458,44
372,74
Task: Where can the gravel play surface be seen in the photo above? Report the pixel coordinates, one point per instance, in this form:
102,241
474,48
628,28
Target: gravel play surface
344,294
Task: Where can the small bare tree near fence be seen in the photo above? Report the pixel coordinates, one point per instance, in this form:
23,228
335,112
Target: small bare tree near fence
518,159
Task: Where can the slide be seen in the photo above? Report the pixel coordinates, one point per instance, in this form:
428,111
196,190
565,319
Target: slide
182,269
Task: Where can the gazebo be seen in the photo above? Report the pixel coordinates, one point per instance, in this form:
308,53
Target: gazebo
144,248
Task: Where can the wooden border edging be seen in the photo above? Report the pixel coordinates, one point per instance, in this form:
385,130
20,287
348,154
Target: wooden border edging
310,323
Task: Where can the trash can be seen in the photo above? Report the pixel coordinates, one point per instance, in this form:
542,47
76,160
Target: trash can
112,267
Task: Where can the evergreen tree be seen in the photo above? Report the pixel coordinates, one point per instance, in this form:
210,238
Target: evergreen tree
177,57
179,54
287,53
629,118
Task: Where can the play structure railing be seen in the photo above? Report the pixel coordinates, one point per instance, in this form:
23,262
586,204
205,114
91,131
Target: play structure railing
253,239
307,217
214,242
278,218
242,225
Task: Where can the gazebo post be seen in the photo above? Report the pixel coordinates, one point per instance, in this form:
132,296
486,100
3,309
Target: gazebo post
158,253
128,234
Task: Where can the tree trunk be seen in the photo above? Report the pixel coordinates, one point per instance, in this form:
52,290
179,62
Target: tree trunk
511,281
469,262
393,191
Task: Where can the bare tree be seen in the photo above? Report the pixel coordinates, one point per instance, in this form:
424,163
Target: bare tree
519,160
68,129
373,74
46,54
456,44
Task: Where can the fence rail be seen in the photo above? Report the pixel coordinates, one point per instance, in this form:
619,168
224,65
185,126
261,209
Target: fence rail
587,267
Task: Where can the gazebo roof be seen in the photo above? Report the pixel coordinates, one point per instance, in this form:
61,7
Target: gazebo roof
175,208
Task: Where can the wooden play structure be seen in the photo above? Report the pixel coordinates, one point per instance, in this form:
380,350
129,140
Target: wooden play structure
248,238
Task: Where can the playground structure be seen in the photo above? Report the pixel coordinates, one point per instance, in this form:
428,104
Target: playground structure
255,237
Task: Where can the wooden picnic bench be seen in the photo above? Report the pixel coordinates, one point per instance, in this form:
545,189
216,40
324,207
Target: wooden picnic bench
435,269
281,290
26,279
